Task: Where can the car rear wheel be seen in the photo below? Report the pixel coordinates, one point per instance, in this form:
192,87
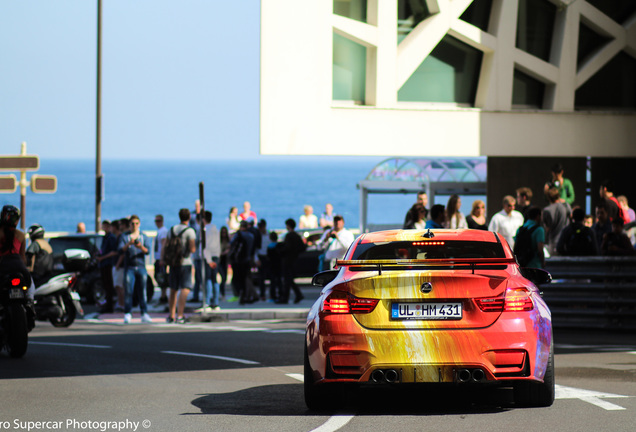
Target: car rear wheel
533,394
317,397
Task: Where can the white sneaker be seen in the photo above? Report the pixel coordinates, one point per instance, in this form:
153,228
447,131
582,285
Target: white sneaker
145,318
127,318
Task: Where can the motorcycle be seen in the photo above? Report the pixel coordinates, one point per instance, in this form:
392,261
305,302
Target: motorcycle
14,325
57,300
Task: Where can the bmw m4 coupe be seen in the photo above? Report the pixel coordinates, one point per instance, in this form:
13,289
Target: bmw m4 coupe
429,307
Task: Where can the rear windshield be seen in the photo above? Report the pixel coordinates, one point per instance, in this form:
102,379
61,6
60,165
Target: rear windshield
428,250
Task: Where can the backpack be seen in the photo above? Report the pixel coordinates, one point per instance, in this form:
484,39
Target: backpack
174,251
523,245
237,251
580,242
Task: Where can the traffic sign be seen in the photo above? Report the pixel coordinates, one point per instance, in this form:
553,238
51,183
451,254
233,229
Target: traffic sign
8,183
43,183
19,163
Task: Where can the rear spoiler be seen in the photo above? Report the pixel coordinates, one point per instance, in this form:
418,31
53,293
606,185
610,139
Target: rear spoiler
423,264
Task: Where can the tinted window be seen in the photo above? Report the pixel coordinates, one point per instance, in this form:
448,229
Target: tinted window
428,250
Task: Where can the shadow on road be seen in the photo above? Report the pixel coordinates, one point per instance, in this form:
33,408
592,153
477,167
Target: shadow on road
288,400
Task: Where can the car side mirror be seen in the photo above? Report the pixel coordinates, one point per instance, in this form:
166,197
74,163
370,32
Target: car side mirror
536,276
324,278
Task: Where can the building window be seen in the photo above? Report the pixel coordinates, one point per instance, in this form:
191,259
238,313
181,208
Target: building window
618,10
410,14
527,92
590,42
349,70
612,87
478,14
535,25
449,74
354,9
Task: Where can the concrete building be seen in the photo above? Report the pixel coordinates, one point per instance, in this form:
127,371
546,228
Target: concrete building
499,78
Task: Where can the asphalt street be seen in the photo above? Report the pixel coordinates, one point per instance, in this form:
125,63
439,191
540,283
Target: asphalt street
244,375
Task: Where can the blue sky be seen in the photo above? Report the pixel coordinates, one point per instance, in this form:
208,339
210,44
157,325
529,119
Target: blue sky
180,78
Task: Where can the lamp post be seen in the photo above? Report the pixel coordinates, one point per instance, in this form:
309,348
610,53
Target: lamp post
98,128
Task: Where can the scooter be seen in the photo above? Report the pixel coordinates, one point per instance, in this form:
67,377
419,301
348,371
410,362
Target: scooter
57,300
14,325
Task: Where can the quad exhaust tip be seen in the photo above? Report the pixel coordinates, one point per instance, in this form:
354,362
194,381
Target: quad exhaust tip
385,376
466,375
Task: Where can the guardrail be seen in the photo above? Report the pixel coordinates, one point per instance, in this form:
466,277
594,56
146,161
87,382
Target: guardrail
592,292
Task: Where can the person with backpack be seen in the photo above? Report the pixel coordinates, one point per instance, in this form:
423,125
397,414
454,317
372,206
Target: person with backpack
529,241
179,246
39,256
576,239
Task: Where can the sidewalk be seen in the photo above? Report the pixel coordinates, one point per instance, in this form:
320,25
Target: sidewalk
230,311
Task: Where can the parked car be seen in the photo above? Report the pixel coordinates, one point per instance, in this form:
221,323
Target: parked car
444,307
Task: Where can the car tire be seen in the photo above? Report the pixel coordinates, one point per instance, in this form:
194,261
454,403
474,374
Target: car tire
317,397
535,394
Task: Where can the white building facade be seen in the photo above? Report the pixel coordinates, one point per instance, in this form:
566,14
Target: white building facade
448,77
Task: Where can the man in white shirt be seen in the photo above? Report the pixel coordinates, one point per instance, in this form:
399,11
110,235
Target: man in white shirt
337,240
507,221
211,255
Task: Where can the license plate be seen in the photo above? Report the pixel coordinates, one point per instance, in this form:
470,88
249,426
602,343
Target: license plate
16,293
75,296
426,311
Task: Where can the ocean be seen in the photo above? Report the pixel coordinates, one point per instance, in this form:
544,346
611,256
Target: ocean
276,187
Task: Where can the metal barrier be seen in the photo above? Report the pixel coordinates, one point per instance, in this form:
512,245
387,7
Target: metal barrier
592,292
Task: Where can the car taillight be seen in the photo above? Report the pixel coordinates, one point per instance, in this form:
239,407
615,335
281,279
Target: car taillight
515,300
492,304
15,281
518,300
344,303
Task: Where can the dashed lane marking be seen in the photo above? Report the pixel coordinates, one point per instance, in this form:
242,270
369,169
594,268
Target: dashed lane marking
230,359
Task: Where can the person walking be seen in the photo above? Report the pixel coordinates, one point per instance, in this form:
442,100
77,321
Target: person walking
211,255
240,259
161,275
106,261
180,275
134,246
293,245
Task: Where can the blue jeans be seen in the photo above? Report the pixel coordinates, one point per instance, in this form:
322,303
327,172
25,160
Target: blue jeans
211,287
135,274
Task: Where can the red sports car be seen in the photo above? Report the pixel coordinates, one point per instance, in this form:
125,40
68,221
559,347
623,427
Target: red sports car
413,307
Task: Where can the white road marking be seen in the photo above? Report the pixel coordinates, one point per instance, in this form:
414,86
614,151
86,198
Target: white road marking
294,331
299,377
231,359
334,423
595,398
68,344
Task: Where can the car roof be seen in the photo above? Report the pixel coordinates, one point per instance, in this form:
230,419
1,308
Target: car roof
438,234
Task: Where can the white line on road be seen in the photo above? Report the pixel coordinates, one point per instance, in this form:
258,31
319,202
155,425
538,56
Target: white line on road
334,423
299,377
595,398
231,359
68,344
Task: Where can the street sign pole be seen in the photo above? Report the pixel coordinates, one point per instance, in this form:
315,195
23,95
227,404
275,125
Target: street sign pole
24,163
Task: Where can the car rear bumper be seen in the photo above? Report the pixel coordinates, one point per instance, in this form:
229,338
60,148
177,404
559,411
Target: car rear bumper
514,348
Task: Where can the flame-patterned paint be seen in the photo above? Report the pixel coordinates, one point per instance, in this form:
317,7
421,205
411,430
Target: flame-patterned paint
504,345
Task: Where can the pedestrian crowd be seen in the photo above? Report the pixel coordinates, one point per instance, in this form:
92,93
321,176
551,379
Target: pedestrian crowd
193,258
535,232
192,266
